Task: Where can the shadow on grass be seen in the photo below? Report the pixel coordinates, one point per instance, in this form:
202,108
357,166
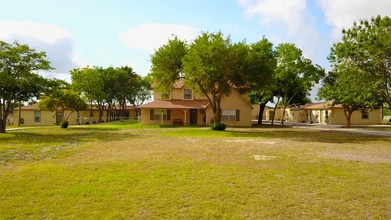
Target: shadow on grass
275,131
308,135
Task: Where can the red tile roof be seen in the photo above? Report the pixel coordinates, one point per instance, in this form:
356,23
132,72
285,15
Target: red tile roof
176,104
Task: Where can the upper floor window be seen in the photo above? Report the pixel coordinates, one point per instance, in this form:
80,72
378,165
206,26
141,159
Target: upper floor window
364,114
187,94
37,116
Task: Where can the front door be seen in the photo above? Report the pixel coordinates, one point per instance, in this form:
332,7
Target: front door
193,116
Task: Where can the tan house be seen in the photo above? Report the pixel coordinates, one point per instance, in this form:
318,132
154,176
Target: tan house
32,116
185,107
326,113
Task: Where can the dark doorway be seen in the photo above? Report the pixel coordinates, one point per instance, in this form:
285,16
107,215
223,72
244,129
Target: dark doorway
59,117
193,117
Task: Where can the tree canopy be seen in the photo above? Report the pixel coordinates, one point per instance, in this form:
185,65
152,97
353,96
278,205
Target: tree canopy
366,47
211,64
19,80
62,99
294,75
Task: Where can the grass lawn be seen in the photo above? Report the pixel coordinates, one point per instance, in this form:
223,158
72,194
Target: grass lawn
126,171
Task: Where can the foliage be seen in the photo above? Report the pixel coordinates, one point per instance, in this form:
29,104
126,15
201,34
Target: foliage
19,80
366,46
64,124
345,86
218,126
263,64
167,64
63,100
107,87
211,64
295,75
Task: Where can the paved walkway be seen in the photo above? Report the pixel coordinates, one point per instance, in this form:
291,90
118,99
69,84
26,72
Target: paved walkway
368,130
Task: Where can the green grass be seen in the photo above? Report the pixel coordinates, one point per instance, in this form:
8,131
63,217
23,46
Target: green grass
126,170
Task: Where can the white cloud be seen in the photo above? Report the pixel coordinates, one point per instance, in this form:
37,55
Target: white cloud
44,32
342,13
151,36
55,41
290,13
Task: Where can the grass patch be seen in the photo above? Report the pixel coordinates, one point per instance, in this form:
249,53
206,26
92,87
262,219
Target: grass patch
125,170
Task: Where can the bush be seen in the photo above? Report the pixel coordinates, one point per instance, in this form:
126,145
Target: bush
64,124
218,126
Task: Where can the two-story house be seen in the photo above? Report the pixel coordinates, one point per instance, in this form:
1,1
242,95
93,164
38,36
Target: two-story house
182,106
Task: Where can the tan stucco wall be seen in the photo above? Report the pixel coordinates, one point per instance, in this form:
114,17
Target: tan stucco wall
47,118
178,93
233,102
337,117
295,115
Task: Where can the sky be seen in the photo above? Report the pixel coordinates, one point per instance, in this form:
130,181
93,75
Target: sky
77,33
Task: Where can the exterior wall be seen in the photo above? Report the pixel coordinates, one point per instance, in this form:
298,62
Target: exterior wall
338,118
175,114
269,114
233,102
47,118
295,115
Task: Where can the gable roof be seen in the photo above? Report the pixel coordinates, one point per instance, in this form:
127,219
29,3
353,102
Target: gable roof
176,104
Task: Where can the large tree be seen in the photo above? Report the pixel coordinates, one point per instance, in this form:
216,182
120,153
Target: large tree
295,75
346,86
366,46
19,80
263,63
167,64
211,64
88,81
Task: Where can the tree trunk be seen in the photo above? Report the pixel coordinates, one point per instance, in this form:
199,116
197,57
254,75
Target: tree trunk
2,125
217,112
19,113
283,114
262,107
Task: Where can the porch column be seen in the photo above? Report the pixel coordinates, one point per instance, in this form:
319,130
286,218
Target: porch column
161,116
184,121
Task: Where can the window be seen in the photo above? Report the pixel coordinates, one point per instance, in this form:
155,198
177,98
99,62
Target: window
187,94
230,115
155,114
364,114
37,116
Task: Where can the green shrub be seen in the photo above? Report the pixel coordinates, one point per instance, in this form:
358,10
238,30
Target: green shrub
64,124
218,126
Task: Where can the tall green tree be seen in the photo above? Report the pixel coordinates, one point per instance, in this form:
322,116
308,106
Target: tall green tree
366,46
345,86
295,75
19,80
167,64
213,66
262,68
89,82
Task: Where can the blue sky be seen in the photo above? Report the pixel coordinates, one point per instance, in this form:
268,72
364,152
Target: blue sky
76,33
